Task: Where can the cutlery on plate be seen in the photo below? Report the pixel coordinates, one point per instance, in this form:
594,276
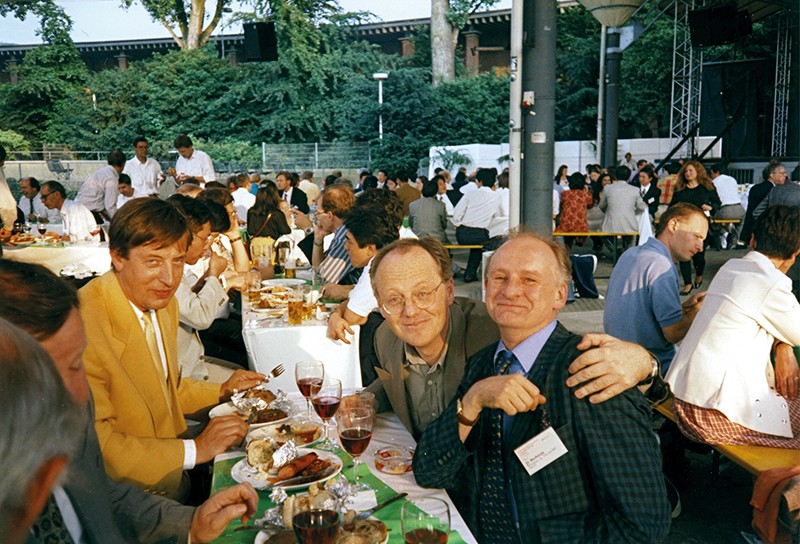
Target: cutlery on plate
367,513
297,480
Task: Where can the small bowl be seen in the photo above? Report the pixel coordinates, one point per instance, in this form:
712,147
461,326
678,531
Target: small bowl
394,459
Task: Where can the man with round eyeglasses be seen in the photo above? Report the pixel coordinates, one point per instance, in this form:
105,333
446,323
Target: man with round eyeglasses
429,334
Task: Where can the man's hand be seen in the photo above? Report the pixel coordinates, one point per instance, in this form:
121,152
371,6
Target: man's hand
216,265
241,380
612,367
234,280
213,516
220,434
693,304
338,328
512,393
336,291
787,373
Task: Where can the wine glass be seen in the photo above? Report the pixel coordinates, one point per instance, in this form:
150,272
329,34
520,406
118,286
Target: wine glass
306,374
355,432
426,521
325,398
316,526
95,234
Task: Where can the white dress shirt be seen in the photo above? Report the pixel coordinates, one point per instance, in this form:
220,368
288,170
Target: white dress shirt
362,298
8,207
99,191
78,220
310,188
243,200
477,208
144,175
38,208
199,164
448,206
727,189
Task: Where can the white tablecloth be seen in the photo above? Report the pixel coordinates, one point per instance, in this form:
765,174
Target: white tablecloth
96,258
271,342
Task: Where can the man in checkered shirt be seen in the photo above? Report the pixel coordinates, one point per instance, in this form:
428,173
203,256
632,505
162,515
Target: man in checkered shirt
606,487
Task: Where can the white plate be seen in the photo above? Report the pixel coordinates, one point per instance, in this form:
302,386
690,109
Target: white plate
241,471
228,409
271,431
286,282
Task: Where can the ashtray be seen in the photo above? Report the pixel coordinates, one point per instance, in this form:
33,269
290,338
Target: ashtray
394,459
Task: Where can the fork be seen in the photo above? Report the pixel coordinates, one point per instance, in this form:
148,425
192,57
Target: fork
274,373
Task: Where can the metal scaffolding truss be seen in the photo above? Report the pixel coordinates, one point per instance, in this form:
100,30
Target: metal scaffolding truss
780,105
687,72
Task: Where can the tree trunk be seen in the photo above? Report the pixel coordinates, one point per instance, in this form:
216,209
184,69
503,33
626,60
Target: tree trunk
196,24
442,47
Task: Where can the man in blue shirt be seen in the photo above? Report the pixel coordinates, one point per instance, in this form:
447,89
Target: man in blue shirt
642,303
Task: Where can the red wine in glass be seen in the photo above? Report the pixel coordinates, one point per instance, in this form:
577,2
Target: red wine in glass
326,407
426,536
305,385
316,526
42,229
355,441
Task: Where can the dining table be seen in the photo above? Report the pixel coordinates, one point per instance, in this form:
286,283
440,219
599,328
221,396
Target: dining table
270,340
387,432
84,257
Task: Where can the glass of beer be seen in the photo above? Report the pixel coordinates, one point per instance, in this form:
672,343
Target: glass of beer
296,306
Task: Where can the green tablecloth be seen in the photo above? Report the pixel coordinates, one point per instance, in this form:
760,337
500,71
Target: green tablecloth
390,515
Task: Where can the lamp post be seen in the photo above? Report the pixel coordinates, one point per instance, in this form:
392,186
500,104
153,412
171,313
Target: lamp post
380,76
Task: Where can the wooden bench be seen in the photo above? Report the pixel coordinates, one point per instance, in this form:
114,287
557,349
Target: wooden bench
754,459
460,246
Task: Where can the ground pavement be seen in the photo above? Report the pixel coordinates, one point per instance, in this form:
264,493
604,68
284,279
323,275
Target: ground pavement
714,511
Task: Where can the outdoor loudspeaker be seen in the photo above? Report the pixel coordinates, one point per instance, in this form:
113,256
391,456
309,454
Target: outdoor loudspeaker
260,42
716,26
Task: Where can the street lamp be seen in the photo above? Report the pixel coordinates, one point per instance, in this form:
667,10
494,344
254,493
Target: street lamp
380,76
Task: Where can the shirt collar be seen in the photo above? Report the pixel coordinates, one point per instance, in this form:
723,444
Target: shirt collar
528,350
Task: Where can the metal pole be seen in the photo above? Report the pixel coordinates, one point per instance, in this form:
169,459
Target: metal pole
515,116
613,61
601,96
539,77
380,109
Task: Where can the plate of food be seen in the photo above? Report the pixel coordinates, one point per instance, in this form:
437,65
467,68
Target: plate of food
311,466
283,282
20,240
268,312
302,431
274,412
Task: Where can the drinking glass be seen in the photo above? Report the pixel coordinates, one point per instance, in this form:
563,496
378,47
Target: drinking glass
316,526
41,227
325,398
426,521
355,432
95,232
306,375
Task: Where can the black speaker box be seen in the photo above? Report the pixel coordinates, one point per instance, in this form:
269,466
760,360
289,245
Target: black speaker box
260,42
720,25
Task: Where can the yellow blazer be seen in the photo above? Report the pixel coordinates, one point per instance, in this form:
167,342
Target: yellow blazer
137,427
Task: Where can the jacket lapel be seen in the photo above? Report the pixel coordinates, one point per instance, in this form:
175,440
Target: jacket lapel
394,378
132,346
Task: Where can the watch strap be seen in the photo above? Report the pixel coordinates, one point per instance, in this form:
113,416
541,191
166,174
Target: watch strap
462,418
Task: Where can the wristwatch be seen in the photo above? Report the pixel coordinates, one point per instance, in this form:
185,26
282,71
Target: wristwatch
462,418
653,372
308,230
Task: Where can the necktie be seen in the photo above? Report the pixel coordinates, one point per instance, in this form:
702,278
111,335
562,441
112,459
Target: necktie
644,190
50,526
494,514
152,345
30,200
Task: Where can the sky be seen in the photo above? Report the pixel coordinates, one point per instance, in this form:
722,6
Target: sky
100,20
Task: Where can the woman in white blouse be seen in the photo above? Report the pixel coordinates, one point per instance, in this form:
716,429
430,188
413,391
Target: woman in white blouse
726,388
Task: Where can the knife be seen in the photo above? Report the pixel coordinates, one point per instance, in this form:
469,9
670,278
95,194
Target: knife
367,513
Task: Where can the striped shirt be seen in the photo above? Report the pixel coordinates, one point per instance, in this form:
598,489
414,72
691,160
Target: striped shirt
336,264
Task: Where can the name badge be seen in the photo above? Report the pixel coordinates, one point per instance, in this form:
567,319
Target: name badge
540,451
